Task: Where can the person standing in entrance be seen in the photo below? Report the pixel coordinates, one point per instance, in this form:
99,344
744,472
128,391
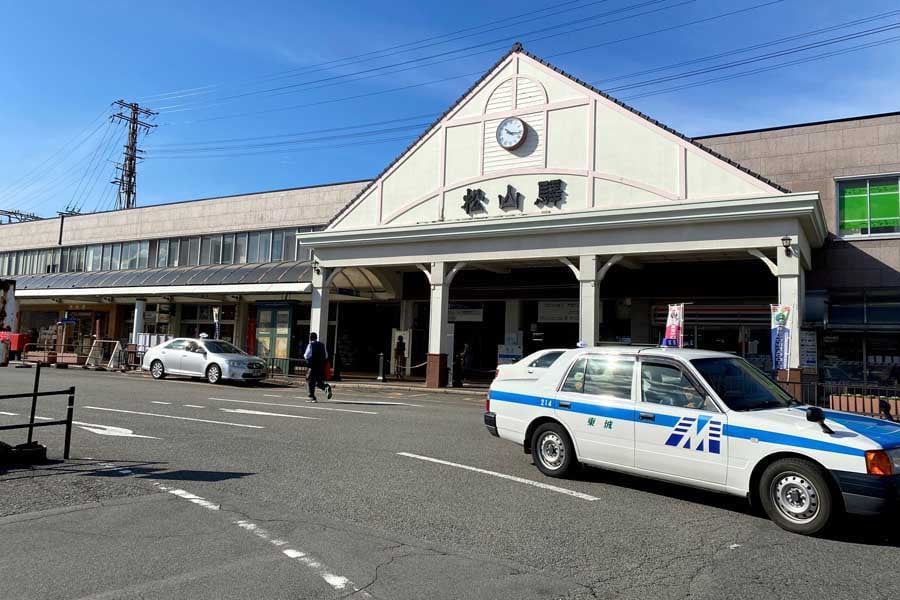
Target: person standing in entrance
399,357
316,355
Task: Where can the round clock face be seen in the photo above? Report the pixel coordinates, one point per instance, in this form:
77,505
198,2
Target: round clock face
511,133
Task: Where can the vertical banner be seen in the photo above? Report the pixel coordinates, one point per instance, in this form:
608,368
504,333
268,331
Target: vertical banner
9,313
781,336
215,315
674,337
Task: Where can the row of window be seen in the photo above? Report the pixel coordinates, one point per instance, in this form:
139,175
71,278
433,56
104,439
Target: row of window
230,248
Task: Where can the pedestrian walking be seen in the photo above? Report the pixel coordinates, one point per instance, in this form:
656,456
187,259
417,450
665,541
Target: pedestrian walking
316,358
399,357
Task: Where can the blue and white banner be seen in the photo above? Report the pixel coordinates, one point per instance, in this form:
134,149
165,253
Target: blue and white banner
781,336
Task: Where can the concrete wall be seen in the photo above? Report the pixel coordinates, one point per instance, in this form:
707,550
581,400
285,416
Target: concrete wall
809,158
266,210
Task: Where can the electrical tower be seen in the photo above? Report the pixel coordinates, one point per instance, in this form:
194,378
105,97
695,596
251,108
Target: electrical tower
127,178
18,216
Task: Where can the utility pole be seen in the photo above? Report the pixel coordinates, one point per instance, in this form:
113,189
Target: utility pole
18,216
127,178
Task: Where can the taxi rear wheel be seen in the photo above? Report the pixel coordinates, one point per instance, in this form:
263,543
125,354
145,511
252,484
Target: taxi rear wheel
552,450
795,494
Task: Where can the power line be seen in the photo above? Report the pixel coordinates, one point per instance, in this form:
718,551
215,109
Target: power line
128,179
98,172
442,55
369,56
104,141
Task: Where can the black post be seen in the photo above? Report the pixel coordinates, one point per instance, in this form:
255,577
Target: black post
37,384
381,366
70,410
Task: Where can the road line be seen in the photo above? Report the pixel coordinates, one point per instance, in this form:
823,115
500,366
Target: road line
158,402
9,414
146,414
338,582
271,395
347,410
538,484
193,406
375,402
244,411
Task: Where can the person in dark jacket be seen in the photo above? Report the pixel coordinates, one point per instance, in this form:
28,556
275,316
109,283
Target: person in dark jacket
316,356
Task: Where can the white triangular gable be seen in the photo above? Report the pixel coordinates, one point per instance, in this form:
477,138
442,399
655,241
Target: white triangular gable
605,155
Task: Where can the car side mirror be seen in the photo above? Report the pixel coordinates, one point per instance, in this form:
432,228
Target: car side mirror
814,414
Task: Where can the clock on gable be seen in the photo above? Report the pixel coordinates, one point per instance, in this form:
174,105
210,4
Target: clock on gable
511,133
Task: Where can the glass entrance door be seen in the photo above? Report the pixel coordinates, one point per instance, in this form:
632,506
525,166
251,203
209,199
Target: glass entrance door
273,335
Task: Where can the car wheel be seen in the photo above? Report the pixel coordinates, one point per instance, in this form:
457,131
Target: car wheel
795,494
552,450
157,370
213,373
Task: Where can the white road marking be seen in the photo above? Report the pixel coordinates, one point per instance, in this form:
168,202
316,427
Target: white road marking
271,395
338,582
146,414
193,406
733,546
347,410
158,402
110,430
244,411
378,402
538,484
9,413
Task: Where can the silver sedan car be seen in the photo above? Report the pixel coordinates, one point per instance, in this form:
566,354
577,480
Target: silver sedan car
214,360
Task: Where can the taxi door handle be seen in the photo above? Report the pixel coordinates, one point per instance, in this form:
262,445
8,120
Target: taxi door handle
647,416
565,404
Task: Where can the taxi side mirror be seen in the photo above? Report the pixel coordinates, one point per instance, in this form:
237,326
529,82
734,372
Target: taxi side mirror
814,414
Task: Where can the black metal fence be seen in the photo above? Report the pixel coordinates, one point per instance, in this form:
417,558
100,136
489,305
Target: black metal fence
279,368
31,424
851,397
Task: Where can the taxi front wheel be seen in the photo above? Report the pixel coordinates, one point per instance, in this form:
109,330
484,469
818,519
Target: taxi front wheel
795,494
552,450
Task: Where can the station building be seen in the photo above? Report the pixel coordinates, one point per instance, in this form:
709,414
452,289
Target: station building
536,212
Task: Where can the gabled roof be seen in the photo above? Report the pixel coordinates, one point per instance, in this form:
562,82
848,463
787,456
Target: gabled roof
517,47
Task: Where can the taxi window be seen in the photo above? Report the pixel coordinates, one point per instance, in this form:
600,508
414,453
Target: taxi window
542,362
177,345
575,379
608,376
668,385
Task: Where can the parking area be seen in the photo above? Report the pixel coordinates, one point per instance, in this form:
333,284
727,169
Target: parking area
179,488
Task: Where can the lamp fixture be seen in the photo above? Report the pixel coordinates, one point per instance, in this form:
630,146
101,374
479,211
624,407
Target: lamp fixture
786,243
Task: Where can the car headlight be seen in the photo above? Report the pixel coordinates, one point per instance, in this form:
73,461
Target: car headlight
237,363
895,459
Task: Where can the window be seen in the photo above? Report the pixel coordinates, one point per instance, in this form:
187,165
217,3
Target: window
608,376
107,257
115,264
575,379
143,254
183,253
228,249
240,248
669,386
277,245
868,206
193,258
253,247
177,345
173,252
205,243
542,362
265,246
215,250
162,253
740,385
290,245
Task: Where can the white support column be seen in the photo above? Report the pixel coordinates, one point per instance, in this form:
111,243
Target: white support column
436,367
318,317
588,299
792,290
140,305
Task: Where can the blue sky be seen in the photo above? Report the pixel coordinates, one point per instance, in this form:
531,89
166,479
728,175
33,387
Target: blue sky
205,66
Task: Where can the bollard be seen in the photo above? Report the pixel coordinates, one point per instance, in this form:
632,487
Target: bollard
70,411
37,384
380,367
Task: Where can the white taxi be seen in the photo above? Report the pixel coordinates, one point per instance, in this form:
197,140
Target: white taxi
705,419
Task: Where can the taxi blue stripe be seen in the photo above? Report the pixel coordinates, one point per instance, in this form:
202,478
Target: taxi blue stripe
665,420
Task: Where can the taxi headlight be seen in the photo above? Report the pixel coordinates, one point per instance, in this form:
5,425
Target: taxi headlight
894,455
237,363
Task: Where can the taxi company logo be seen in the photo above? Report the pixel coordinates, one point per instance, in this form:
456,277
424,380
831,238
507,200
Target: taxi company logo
698,433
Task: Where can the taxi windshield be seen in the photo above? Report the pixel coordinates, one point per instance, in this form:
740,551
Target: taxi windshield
740,385
220,347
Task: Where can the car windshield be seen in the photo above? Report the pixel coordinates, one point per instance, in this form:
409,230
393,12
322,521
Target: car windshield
220,347
740,385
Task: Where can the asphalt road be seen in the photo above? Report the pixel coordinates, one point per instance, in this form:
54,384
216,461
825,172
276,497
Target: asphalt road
248,492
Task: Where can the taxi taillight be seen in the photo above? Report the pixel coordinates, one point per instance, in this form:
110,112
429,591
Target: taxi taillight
878,463
487,403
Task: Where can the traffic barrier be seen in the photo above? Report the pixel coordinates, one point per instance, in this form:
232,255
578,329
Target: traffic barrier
34,395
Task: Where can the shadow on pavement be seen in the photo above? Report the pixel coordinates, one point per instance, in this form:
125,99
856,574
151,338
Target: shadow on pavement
188,475
876,531
94,467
